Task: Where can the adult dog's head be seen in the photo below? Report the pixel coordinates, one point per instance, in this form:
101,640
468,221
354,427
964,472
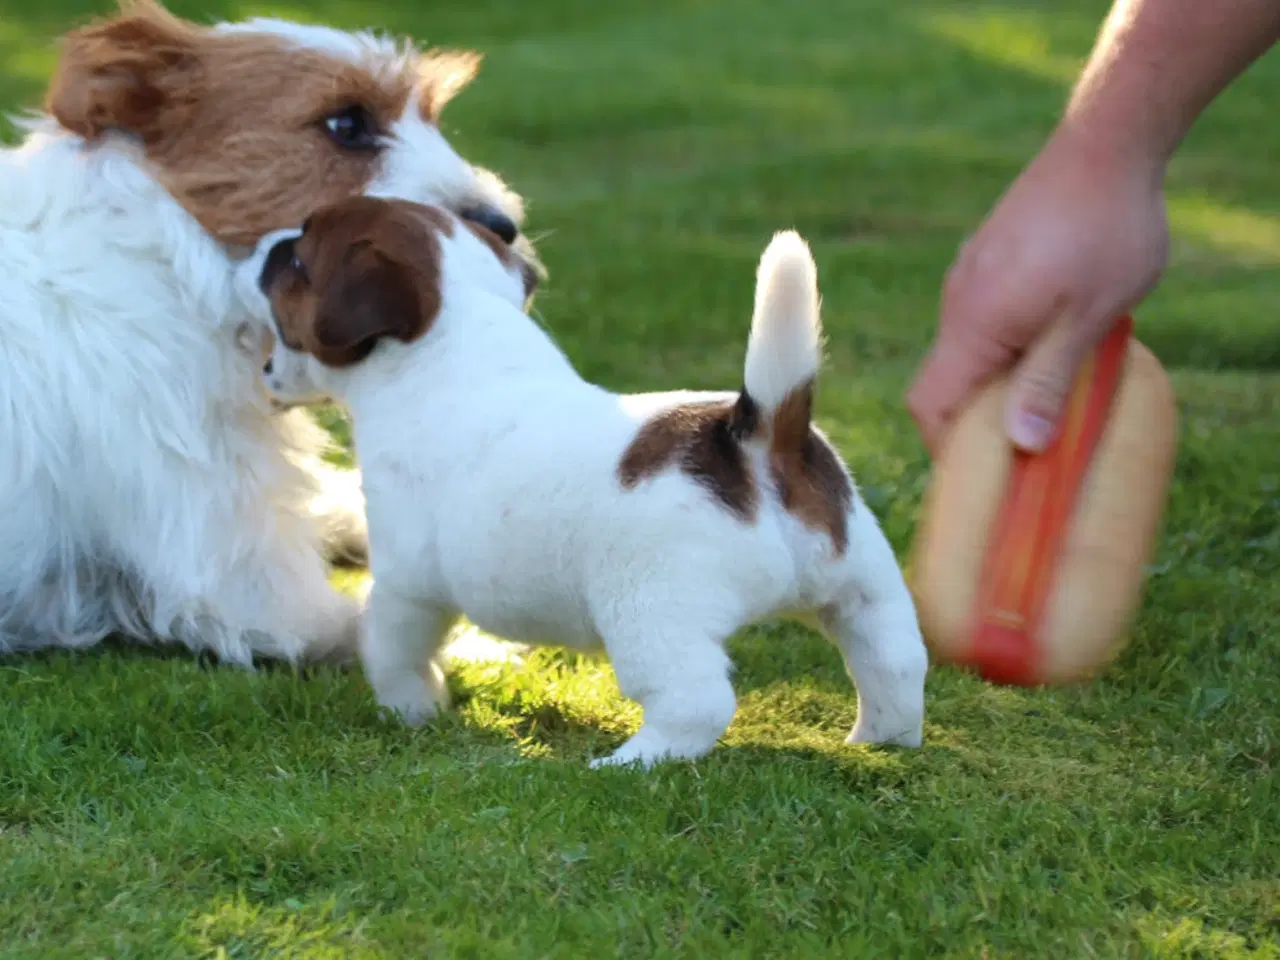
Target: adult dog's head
251,126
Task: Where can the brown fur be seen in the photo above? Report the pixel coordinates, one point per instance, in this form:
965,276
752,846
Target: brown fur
442,77
234,122
704,440
807,471
369,270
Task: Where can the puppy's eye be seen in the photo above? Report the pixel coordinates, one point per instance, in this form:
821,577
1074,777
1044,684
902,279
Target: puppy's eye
268,367
299,268
352,128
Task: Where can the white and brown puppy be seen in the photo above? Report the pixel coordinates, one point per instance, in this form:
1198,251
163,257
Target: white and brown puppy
502,486
147,488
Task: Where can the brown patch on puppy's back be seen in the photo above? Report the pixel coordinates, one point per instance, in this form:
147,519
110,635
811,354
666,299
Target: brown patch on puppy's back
808,473
704,441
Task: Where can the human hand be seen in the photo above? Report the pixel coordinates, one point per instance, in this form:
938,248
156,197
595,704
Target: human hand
1079,238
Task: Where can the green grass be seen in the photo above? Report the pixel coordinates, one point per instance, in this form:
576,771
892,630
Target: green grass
155,806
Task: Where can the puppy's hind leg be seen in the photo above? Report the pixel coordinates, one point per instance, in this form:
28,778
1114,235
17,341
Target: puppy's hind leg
679,674
400,649
874,625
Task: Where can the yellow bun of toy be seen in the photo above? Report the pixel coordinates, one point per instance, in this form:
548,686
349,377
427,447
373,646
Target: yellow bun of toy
1029,568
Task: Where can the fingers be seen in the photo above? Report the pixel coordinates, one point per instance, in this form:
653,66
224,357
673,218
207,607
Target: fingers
1044,378
953,370
970,348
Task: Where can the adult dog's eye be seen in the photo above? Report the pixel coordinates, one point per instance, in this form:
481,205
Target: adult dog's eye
352,128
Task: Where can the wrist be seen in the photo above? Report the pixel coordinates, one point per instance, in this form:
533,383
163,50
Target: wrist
1111,144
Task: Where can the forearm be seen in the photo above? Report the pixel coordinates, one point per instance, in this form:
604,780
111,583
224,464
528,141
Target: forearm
1158,64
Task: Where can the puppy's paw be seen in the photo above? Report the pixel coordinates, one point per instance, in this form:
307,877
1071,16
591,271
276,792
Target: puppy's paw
867,733
415,698
410,701
613,760
644,750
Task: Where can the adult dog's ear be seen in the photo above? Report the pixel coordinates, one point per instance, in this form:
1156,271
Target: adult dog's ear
135,72
373,295
442,75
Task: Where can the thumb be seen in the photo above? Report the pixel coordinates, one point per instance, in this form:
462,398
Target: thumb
1043,380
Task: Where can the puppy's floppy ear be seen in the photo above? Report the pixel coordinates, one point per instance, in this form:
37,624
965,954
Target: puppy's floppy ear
133,72
370,296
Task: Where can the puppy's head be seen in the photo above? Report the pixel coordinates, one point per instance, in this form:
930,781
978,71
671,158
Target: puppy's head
250,126
364,270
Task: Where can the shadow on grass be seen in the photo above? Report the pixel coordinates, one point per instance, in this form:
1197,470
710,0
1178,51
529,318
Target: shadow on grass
113,647
131,651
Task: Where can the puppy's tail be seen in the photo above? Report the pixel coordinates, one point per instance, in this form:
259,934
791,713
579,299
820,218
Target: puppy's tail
785,347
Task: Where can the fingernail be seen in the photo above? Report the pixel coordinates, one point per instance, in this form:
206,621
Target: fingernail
1030,431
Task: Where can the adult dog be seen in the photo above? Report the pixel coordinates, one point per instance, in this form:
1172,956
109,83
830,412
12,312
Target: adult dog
148,488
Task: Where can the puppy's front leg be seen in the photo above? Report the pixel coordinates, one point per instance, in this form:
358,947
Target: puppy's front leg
400,650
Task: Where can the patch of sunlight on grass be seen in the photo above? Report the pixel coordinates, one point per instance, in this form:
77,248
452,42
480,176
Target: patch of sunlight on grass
1191,937
806,740
1236,231
353,582
942,738
1004,38
237,928
1005,699
470,644
556,685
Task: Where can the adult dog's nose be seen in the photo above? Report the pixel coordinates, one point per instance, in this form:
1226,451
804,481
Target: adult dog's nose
279,257
491,218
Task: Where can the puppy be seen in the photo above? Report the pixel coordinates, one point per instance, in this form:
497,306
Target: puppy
149,489
504,487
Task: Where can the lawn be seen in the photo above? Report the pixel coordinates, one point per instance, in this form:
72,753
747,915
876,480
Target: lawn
155,806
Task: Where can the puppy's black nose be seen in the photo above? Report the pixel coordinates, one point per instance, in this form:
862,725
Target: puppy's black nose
279,257
491,218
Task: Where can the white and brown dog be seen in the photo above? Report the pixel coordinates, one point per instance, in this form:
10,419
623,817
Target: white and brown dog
147,488
503,487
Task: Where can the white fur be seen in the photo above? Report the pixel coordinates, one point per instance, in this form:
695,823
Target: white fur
784,349
490,470
147,486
